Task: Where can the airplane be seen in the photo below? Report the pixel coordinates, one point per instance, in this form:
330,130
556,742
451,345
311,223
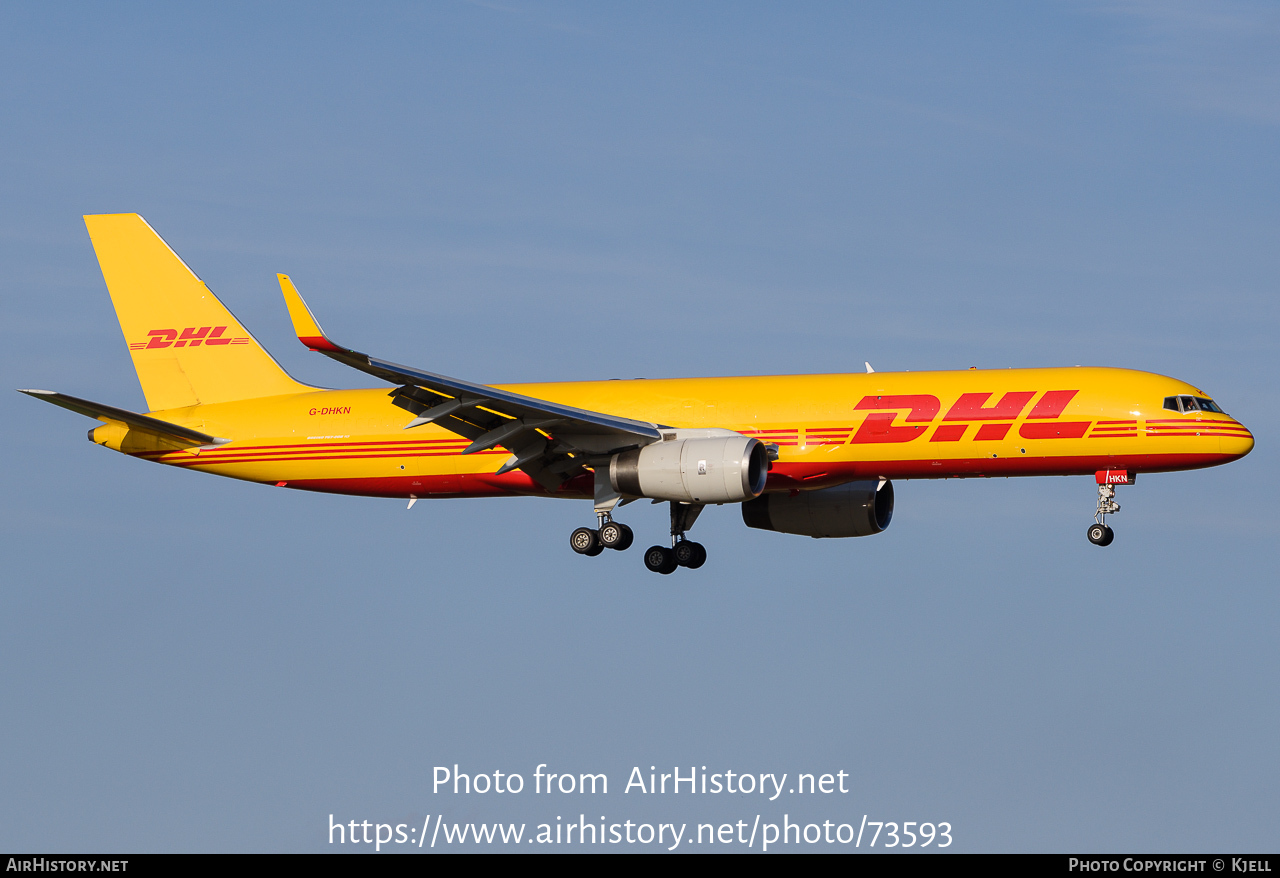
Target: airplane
813,455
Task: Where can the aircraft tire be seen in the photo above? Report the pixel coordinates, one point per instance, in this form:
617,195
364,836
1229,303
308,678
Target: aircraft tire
690,554
585,541
660,559
616,536
1101,535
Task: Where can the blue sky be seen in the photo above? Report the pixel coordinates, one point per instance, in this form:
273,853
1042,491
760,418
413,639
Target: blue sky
512,192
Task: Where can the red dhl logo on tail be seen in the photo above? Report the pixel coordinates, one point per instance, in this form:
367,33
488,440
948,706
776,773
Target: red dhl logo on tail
191,336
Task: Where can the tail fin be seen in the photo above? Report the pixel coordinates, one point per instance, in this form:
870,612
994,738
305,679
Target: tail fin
187,348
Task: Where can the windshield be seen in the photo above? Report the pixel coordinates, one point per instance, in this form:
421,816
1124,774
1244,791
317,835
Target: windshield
1191,404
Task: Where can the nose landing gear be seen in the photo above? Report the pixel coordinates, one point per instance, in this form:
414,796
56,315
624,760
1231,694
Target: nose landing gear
1099,533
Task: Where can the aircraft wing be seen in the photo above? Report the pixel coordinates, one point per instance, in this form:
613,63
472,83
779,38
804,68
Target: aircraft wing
108,414
549,441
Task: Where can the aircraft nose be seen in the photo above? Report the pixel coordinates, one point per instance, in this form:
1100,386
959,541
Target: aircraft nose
1236,440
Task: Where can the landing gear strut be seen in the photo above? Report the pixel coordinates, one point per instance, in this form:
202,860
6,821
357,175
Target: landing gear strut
683,552
1099,533
608,534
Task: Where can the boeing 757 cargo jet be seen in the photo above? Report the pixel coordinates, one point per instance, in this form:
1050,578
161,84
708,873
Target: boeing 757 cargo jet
813,455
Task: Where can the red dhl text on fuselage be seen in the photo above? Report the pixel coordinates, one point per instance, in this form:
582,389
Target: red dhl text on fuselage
828,429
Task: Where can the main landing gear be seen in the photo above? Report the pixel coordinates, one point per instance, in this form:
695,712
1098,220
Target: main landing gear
1099,533
683,552
614,535
609,535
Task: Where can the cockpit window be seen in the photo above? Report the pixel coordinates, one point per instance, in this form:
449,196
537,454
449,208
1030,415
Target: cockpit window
1191,404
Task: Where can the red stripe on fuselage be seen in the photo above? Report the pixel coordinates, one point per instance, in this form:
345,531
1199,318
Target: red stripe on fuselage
784,476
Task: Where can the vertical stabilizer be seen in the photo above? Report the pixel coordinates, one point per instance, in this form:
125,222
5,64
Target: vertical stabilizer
187,348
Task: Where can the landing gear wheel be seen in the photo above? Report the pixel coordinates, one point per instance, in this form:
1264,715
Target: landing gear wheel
1101,535
660,559
616,536
690,554
586,541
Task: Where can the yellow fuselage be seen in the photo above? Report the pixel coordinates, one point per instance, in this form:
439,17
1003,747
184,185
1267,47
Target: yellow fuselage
828,429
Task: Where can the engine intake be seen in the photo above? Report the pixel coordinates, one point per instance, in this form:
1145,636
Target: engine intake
721,469
854,509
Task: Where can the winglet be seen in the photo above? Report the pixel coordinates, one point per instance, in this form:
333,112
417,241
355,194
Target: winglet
305,325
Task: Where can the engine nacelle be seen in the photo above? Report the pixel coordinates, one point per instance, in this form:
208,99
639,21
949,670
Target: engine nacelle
854,509
720,469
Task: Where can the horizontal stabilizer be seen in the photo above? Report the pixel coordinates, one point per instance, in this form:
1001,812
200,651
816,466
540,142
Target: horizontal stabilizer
110,414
